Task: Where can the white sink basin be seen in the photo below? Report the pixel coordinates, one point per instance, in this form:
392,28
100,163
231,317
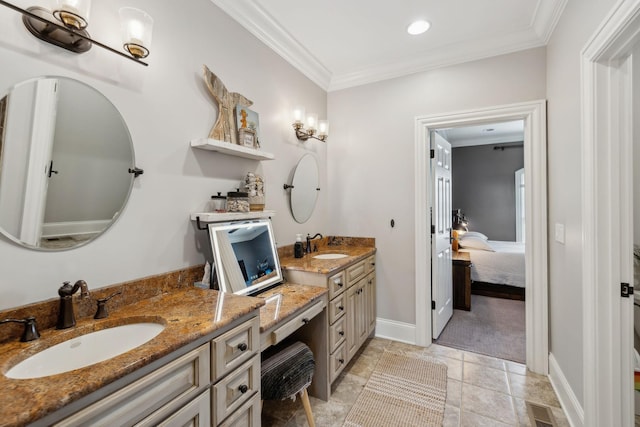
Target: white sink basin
85,350
330,256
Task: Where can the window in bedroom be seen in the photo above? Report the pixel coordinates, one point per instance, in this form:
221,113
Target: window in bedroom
520,219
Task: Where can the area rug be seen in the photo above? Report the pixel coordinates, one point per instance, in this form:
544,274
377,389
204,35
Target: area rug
402,391
494,327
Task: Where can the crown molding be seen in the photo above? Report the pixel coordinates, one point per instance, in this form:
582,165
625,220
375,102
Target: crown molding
252,16
255,19
499,44
546,17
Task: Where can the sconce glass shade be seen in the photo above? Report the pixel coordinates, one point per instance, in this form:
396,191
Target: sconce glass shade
312,122
137,27
298,115
323,128
72,13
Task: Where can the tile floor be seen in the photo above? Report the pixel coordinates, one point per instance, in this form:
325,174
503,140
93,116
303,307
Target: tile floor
481,391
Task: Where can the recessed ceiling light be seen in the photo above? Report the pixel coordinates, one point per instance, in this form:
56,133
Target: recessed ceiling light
418,27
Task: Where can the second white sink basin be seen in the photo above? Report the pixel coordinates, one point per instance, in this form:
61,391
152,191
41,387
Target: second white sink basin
330,256
85,350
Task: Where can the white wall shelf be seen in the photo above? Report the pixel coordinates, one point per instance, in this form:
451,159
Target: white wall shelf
231,149
230,216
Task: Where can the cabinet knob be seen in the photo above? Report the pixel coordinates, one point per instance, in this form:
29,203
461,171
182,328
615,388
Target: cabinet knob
243,388
340,307
341,361
341,333
305,320
242,346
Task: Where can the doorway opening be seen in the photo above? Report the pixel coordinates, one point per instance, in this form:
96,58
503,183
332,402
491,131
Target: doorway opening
488,249
533,115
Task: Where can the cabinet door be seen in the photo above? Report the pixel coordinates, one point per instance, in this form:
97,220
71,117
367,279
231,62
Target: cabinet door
370,303
196,413
362,311
352,322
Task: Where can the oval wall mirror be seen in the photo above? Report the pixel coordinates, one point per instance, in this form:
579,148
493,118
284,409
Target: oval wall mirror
305,188
65,155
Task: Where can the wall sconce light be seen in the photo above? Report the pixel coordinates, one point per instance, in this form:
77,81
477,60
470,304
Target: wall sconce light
309,126
65,27
460,222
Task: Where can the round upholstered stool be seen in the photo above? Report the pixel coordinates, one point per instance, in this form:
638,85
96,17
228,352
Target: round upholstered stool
288,372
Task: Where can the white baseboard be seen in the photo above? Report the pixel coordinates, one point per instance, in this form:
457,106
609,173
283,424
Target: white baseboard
73,228
568,400
397,331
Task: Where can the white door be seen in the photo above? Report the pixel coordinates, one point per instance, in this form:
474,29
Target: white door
441,274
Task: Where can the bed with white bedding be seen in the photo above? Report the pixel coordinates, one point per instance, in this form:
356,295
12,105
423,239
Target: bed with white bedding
497,267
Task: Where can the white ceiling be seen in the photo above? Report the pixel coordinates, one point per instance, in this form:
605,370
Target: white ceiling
493,133
344,43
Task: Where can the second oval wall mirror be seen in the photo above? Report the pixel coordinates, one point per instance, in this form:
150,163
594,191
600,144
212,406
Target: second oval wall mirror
304,192
65,160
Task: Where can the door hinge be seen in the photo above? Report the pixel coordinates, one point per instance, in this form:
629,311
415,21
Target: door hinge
433,229
432,153
433,305
626,290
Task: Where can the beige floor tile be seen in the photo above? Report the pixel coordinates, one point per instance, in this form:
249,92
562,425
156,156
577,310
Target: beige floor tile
440,350
481,359
451,416
324,413
454,368
533,387
403,348
486,377
348,388
362,365
488,403
515,367
454,393
469,419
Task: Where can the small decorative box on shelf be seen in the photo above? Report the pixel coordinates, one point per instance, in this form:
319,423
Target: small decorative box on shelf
231,149
230,216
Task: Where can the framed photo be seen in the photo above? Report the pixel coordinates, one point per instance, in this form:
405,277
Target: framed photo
247,138
247,119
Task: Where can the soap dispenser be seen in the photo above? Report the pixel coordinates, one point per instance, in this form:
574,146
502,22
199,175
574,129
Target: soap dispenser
298,248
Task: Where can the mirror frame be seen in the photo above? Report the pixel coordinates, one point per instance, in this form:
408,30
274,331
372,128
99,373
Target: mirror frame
133,170
218,268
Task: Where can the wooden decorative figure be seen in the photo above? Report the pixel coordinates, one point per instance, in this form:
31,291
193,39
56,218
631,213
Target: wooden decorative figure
224,128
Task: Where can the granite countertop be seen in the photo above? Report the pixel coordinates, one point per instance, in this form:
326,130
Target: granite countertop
187,314
284,300
308,263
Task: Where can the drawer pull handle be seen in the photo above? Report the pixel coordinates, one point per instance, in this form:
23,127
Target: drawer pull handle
243,388
305,320
341,361
373,263
242,346
341,333
340,307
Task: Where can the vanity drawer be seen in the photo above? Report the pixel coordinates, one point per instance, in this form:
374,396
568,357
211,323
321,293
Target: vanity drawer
235,389
336,308
300,320
336,334
355,272
247,416
337,362
196,413
370,264
163,390
234,347
336,284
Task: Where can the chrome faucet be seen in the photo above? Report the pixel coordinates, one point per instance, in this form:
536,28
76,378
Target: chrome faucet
66,317
309,239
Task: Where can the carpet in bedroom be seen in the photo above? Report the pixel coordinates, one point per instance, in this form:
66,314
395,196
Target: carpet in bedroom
494,327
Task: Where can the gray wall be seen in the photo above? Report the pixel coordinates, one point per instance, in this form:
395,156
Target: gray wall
165,106
371,156
576,26
484,188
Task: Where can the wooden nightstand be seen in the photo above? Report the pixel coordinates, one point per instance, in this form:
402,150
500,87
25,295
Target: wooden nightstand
461,262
